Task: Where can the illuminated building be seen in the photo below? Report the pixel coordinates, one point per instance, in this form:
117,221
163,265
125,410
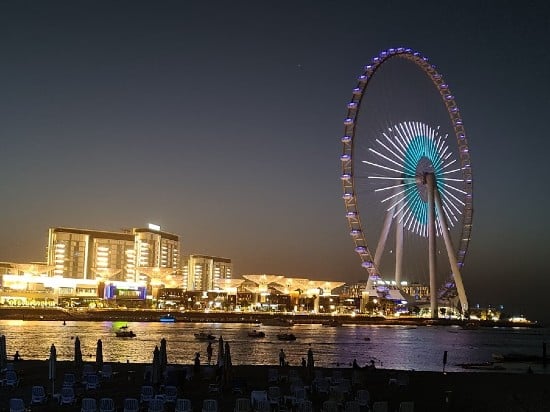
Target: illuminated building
117,256
303,294
202,272
417,291
155,249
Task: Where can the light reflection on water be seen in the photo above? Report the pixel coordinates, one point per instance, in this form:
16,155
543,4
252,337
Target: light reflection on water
394,347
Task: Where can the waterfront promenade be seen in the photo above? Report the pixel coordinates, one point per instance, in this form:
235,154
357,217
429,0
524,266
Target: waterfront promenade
149,315
430,391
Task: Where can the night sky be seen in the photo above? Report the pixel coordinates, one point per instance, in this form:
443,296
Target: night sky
221,121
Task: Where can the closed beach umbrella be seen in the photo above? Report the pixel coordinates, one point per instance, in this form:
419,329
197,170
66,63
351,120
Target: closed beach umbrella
3,353
51,366
155,368
227,355
227,362
220,352
163,355
77,353
99,354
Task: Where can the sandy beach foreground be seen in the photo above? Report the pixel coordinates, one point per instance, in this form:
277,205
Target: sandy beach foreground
430,391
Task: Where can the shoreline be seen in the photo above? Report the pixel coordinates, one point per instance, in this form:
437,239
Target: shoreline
428,390
150,315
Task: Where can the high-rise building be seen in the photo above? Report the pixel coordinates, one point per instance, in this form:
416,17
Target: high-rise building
201,272
91,254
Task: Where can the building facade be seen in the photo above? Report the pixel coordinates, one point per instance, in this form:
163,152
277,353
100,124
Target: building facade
201,272
117,256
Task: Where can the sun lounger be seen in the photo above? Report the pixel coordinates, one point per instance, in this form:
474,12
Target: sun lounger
17,405
330,406
406,406
66,397
156,405
362,396
147,393
210,405
183,405
12,380
69,379
106,405
352,406
131,405
258,396
106,372
262,405
38,395
92,382
170,393
272,375
380,406
274,395
87,369
88,405
243,405
305,406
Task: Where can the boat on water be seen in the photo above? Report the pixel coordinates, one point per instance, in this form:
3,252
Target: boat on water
470,325
168,318
124,332
277,322
286,336
256,334
205,336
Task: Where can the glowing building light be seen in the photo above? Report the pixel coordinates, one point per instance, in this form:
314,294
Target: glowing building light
153,226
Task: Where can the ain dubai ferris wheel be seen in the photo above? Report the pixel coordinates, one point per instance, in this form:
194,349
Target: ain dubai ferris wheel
407,178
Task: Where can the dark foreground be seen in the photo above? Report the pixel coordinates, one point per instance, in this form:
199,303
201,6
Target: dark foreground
430,391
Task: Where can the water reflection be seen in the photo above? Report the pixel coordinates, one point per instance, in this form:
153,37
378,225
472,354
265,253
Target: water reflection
391,347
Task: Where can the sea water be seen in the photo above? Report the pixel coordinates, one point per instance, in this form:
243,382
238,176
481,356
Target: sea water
391,347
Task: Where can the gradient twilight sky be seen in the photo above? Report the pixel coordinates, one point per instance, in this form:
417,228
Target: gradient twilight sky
220,121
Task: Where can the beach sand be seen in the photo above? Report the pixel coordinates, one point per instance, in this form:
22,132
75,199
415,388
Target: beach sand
430,391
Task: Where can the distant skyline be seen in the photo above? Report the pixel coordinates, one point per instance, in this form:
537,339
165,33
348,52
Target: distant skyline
221,122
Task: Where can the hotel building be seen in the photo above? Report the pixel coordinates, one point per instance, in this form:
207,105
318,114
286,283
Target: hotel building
202,272
118,256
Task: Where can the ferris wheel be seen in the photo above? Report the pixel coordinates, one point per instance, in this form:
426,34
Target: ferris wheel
407,177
